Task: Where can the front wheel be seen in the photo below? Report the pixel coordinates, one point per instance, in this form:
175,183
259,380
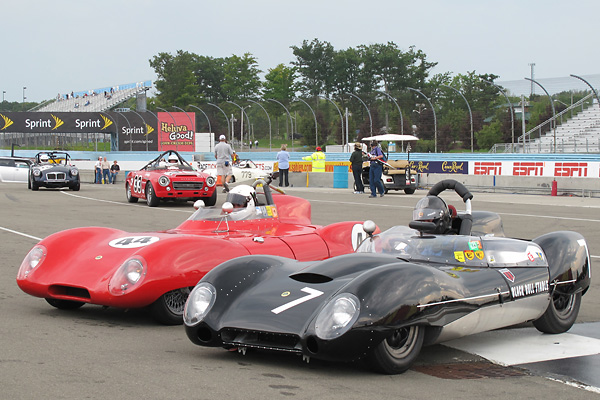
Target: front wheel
168,309
130,197
65,304
151,198
396,353
560,314
212,200
75,187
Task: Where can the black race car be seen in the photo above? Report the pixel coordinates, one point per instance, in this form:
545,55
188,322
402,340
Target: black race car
442,277
53,169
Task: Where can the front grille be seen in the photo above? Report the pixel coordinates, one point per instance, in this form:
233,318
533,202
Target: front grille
261,340
69,291
187,185
56,176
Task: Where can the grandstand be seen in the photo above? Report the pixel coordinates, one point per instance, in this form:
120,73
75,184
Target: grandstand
96,100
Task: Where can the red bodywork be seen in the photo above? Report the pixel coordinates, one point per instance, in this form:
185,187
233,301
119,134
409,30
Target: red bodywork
78,264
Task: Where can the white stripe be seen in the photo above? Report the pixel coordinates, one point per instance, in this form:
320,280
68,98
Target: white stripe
125,204
20,233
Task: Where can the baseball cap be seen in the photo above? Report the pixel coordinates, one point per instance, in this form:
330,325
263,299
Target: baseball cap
222,137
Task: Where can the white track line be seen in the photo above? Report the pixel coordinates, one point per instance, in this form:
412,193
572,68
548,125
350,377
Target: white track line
20,233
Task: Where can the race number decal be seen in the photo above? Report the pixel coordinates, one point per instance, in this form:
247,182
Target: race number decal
137,184
358,235
246,174
312,293
132,242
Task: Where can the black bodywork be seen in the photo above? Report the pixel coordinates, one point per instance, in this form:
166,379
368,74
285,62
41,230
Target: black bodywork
53,169
413,288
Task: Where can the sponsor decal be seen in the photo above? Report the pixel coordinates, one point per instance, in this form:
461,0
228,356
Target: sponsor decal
571,169
459,256
507,274
469,255
529,289
487,168
107,121
475,245
479,254
528,169
453,167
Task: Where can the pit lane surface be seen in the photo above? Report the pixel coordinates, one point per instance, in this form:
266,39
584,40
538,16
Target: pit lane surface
109,353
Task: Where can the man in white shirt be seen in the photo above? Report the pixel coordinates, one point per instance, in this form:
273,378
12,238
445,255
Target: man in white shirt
224,154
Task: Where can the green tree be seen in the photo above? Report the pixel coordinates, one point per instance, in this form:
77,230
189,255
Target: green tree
176,83
314,62
241,78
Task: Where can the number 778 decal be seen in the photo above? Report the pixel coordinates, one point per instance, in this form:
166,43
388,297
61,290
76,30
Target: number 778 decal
312,293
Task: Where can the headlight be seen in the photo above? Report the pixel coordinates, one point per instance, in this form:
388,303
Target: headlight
337,317
37,172
32,260
129,276
199,303
74,172
210,181
164,181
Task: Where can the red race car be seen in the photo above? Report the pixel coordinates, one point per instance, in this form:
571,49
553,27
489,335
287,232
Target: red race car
114,268
169,177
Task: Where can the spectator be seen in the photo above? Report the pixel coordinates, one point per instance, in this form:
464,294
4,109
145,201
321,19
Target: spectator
356,159
283,159
318,160
224,154
98,169
375,170
256,144
114,171
105,171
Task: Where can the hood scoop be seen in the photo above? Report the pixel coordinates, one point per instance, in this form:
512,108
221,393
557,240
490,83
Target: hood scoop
309,277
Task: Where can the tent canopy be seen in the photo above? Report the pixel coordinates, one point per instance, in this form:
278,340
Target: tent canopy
391,138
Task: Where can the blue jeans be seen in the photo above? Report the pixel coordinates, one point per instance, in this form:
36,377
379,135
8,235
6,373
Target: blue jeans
375,183
106,175
98,176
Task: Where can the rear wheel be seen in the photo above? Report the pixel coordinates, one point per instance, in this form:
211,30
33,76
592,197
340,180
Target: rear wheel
560,314
396,353
65,304
130,197
151,198
409,191
168,309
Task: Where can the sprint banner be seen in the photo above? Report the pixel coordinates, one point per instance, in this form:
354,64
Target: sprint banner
59,122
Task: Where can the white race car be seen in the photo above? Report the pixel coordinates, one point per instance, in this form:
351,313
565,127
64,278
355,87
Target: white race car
243,170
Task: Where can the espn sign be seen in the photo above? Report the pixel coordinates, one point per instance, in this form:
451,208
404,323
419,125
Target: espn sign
487,168
571,169
528,168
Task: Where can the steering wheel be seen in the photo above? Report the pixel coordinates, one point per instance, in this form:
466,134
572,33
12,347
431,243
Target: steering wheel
463,192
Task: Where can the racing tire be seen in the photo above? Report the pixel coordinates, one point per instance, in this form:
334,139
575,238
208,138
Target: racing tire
130,197
34,186
29,183
409,191
75,187
210,201
232,180
64,304
168,309
151,198
396,353
560,314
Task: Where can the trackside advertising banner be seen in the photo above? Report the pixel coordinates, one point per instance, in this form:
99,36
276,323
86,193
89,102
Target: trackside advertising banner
551,169
176,131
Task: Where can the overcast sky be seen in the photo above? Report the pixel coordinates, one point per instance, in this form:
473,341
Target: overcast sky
60,46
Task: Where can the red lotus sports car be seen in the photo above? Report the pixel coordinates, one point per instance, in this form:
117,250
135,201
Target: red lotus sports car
114,268
169,177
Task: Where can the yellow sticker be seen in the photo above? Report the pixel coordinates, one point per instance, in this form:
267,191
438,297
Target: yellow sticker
469,254
459,256
479,254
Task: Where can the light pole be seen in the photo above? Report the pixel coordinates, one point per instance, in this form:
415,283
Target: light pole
3,93
289,115
434,118
268,119
399,111
24,87
512,116
242,124
339,112
368,112
315,117
226,119
591,87
553,110
207,120
470,113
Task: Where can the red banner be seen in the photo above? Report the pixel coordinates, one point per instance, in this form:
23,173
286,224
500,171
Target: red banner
176,131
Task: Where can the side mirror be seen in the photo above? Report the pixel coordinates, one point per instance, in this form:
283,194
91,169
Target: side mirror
199,204
227,207
369,227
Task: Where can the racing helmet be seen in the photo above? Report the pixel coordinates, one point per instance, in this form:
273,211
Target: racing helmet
44,158
173,159
242,196
433,209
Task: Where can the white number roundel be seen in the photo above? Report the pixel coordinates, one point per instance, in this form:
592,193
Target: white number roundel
137,184
132,242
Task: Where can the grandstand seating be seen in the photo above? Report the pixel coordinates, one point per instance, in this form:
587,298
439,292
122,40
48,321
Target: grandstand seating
95,100
580,134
